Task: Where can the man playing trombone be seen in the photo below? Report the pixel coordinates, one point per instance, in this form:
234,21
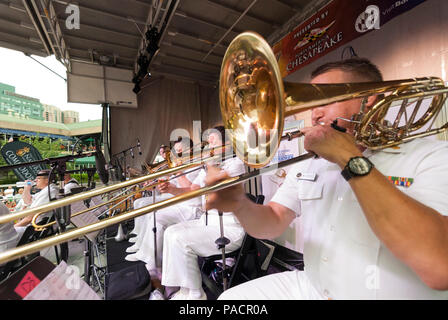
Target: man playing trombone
144,248
375,222
161,155
185,241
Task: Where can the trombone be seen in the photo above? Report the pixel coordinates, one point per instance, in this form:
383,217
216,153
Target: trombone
187,163
253,104
120,198
255,101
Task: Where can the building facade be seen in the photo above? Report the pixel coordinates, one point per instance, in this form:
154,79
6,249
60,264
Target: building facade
27,116
19,106
24,107
69,117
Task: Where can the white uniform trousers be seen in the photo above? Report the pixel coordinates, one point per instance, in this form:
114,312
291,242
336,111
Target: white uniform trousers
20,231
164,218
184,242
8,244
141,222
289,285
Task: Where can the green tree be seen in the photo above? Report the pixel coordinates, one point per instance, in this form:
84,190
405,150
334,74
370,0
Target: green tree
46,147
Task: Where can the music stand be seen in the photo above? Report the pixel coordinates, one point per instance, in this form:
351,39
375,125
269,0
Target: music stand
221,245
90,243
62,214
154,228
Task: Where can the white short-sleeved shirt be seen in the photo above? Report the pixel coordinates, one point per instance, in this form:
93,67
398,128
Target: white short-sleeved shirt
191,176
41,198
70,185
343,257
8,234
158,158
233,167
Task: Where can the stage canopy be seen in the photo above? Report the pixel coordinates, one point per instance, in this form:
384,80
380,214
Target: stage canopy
192,34
102,42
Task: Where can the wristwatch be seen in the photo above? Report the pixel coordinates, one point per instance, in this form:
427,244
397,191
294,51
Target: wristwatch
356,167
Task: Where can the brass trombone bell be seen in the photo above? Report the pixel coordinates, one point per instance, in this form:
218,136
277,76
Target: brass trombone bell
254,102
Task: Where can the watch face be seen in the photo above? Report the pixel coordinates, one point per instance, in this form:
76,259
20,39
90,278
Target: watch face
359,166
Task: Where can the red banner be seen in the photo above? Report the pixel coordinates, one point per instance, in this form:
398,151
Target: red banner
338,23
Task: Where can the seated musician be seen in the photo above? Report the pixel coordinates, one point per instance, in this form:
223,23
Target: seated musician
143,248
69,183
185,241
40,198
365,236
161,156
181,145
8,235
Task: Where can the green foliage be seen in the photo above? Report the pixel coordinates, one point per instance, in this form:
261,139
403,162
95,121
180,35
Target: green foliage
10,179
2,161
46,147
84,178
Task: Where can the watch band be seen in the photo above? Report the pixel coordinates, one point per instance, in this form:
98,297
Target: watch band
346,173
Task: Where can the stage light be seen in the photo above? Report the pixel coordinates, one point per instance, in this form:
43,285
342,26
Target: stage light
152,48
153,37
143,63
136,88
152,34
142,60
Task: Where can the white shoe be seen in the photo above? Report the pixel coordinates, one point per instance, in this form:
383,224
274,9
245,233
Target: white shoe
132,249
156,295
131,257
182,295
132,240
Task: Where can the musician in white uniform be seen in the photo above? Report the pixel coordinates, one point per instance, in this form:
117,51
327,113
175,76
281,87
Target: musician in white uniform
375,222
40,198
185,241
8,235
69,183
143,249
141,223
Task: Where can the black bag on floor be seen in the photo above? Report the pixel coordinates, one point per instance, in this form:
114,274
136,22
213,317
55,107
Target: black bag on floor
129,283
